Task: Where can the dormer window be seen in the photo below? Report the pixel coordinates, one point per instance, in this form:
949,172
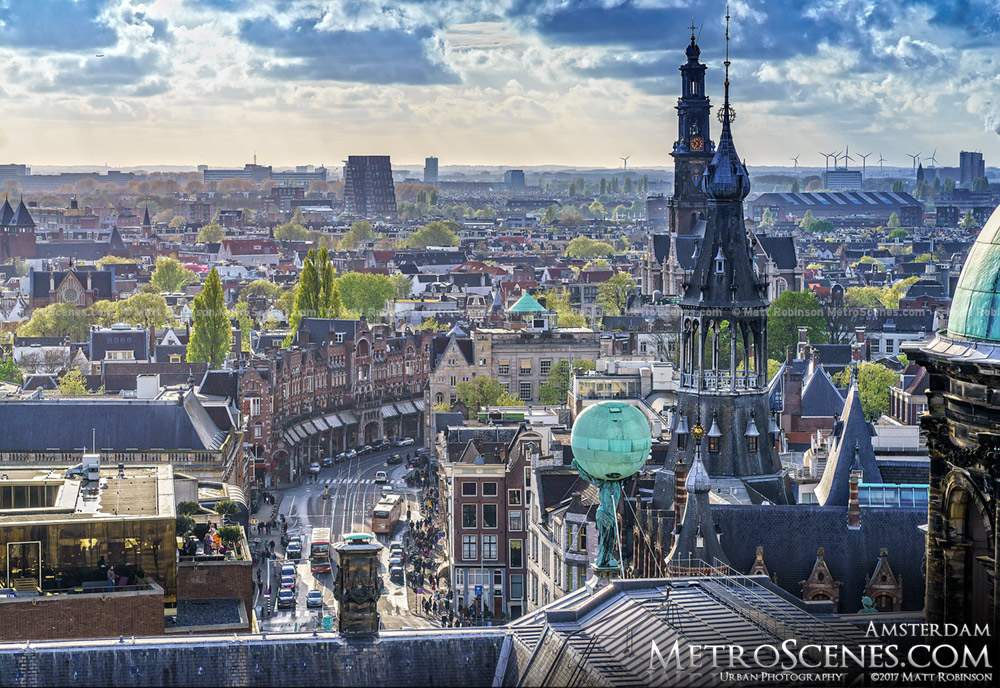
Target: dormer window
720,262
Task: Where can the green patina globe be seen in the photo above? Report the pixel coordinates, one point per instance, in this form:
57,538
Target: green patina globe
611,440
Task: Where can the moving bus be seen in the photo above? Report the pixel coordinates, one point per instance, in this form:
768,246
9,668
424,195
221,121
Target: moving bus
385,514
319,550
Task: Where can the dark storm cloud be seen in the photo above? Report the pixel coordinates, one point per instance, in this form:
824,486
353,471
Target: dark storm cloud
376,56
54,25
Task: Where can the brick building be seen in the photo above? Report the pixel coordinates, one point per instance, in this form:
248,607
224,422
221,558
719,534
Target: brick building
368,187
344,383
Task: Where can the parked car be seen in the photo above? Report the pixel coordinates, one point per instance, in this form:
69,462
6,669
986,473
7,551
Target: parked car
314,467
286,598
396,574
384,444
350,453
287,570
405,442
293,551
396,547
327,461
394,459
381,477
314,599
340,457
395,560
288,582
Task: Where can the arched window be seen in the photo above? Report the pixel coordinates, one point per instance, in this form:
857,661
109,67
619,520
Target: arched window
883,603
819,597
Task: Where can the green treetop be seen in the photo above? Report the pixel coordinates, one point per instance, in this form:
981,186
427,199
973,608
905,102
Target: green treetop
211,333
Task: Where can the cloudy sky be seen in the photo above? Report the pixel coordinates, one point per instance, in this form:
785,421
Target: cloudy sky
504,82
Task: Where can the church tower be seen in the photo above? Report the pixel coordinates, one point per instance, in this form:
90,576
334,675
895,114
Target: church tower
723,358
693,148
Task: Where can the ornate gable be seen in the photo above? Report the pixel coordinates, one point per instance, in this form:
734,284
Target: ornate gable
820,586
884,588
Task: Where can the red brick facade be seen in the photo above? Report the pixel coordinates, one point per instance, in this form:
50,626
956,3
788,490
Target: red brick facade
95,615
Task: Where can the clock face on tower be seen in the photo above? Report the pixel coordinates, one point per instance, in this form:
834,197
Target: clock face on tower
697,144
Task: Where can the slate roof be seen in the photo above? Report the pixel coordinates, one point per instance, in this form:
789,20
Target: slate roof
131,339
899,472
321,329
102,282
6,213
790,536
221,383
68,424
557,484
781,250
820,397
852,444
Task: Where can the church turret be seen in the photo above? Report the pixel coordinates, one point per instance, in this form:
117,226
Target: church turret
723,358
693,148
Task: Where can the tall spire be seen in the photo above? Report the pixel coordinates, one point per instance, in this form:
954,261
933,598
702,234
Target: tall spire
727,177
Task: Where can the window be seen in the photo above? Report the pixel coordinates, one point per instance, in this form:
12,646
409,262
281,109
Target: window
503,368
258,430
514,520
468,489
338,337
558,573
752,444
514,497
498,578
459,577
713,444
489,515
468,547
489,489
489,547
516,586
526,366
544,367
516,560
524,391
582,538
468,515
175,358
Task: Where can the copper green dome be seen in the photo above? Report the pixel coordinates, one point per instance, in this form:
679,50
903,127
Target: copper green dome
975,309
611,440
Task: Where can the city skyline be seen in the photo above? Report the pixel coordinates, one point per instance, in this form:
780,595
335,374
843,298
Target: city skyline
176,82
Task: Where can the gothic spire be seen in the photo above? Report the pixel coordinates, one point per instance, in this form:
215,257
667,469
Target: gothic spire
727,178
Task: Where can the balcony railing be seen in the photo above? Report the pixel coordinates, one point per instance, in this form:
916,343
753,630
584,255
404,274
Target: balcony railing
722,381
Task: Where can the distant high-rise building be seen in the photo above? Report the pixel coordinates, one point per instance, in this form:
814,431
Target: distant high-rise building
843,180
970,166
514,178
13,171
368,187
431,171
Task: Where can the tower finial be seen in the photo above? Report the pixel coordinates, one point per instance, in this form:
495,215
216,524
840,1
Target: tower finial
727,59
692,27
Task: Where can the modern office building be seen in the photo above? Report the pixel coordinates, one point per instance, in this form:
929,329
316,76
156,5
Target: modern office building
368,189
970,166
431,170
842,179
514,179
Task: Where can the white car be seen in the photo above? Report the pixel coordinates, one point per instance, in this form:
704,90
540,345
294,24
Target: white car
405,442
314,467
381,477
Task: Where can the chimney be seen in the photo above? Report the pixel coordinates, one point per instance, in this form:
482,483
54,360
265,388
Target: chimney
803,341
853,506
680,494
357,586
90,280
789,354
52,282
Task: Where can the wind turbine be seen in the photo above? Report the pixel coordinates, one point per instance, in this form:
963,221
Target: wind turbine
932,158
915,157
880,161
827,156
796,161
625,163
847,156
864,164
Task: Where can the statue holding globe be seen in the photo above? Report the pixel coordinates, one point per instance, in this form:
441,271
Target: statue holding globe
611,442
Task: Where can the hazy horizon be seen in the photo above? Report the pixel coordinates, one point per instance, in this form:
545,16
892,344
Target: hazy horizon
190,82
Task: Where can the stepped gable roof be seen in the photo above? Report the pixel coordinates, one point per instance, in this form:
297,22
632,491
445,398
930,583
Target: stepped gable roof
790,536
852,443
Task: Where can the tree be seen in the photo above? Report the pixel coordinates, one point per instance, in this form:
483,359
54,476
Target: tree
211,233
114,260
557,300
307,295
177,221
188,508
549,218
260,294
766,218
892,295
772,368
441,407
439,233
788,312
820,227
9,370
170,275
876,264
893,221
924,258
588,249
330,304
72,382
402,284
863,297
230,535
290,231
897,186
597,208
613,293
874,383
211,332
968,221
484,391
807,221
147,310
58,320
430,325
898,234
555,389
980,184
795,187
365,293
184,525
298,218
226,507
